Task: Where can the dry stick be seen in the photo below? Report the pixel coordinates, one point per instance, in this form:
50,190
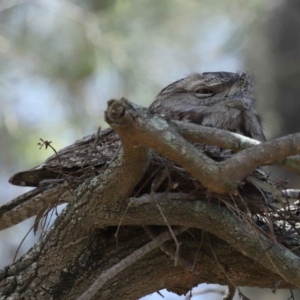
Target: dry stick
46,226
163,137
182,262
115,156
265,249
275,285
290,194
155,185
151,198
292,295
231,287
204,291
249,222
119,226
266,211
264,252
32,227
129,200
172,233
270,224
222,269
134,200
41,213
198,250
233,207
44,221
230,292
268,218
21,243
48,144
261,186
160,294
159,180
189,295
126,262
128,205
242,296
228,140
94,145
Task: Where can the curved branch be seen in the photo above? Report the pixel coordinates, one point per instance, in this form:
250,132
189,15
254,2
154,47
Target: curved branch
214,136
62,255
16,211
242,234
158,134
233,141
164,138
71,230
263,154
126,262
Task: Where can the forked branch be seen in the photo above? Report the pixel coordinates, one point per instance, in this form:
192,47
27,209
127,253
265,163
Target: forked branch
164,138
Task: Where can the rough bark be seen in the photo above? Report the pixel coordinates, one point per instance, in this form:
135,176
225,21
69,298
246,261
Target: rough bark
81,245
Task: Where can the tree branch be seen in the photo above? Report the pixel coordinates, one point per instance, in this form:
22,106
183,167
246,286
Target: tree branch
244,236
126,262
230,140
164,138
194,133
65,261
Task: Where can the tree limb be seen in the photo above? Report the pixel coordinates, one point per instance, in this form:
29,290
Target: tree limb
126,262
163,137
230,140
64,263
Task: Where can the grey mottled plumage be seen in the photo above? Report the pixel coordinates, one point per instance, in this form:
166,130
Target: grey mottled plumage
219,99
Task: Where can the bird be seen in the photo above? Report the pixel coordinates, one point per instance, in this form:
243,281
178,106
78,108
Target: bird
222,100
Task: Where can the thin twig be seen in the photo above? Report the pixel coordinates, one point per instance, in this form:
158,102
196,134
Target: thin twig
93,147
182,262
291,194
48,144
222,269
115,155
119,226
203,291
159,180
230,292
21,243
126,262
172,233
241,295
151,198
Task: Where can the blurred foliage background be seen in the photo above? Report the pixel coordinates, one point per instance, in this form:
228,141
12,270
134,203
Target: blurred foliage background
60,61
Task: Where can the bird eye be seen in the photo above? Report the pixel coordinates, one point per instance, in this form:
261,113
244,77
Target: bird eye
204,92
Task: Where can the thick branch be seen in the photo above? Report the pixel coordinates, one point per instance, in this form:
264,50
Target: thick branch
64,244
214,136
267,153
67,254
11,215
224,224
229,140
158,134
164,138
126,262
